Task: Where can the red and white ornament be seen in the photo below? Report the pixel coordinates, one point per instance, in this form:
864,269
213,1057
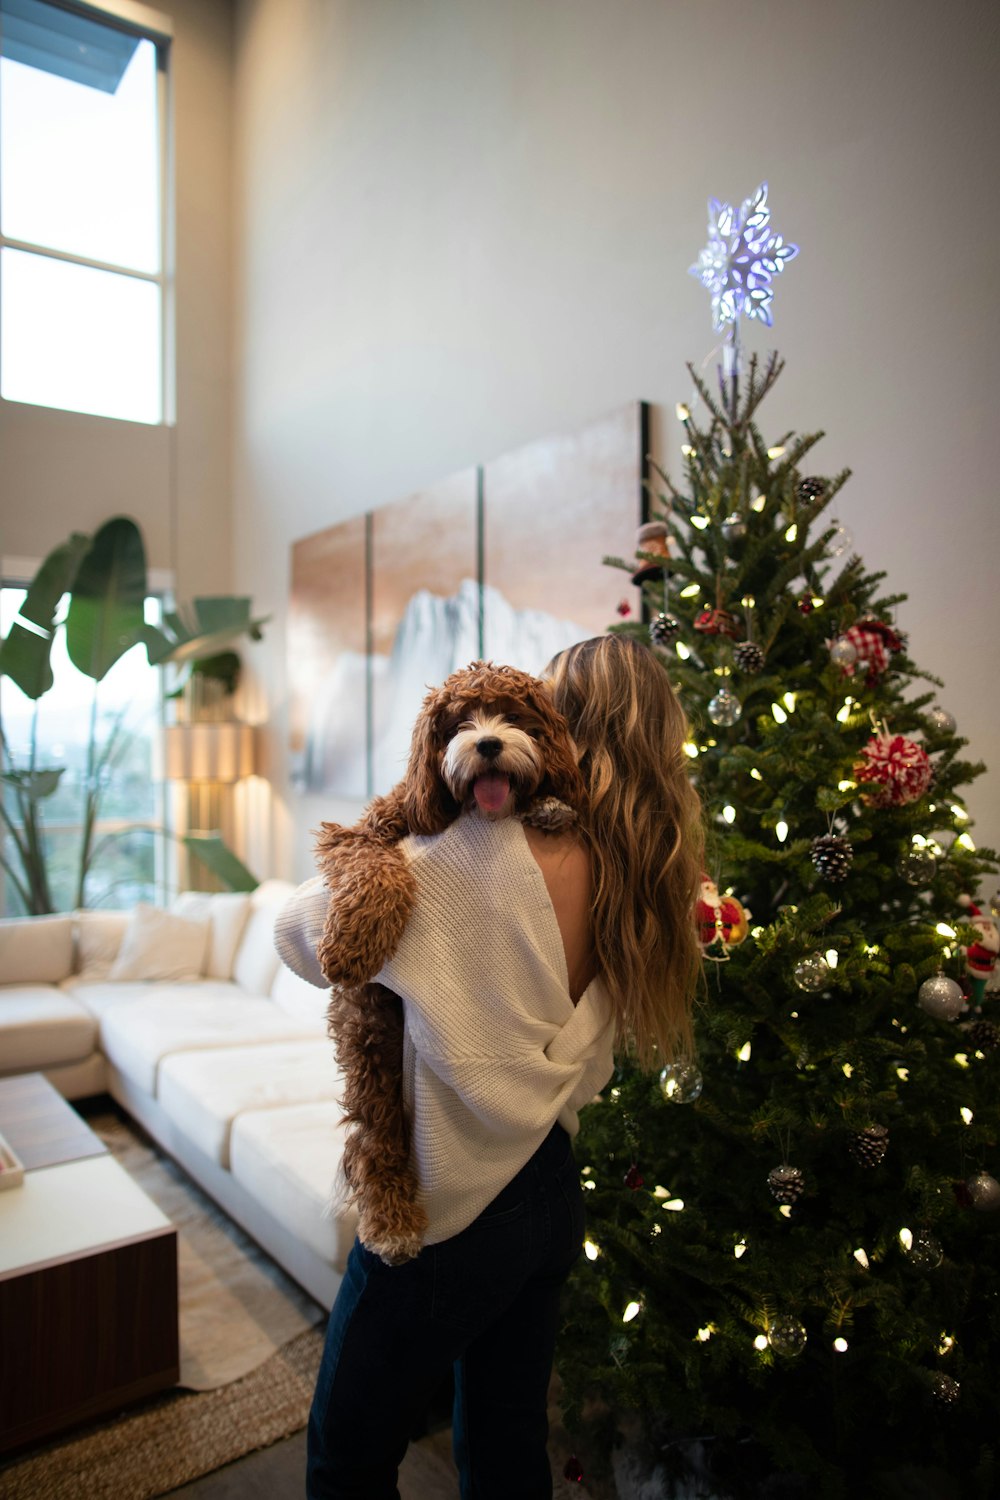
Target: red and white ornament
722,920
874,642
897,770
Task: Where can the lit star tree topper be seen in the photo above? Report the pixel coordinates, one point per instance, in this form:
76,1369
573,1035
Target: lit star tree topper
740,261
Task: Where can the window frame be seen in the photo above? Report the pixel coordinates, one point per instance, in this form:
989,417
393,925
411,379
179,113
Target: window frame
155,27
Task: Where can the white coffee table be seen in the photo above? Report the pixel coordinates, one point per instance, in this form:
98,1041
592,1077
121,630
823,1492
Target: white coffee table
88,1277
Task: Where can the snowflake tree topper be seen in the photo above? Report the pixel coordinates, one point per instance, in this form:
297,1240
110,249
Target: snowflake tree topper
741,259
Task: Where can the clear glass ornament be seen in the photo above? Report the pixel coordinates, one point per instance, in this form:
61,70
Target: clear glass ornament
681,1083
917,866
841,542
725,708
734,527
925,1252
786,1335
941,997
944,1389
811,973
843,653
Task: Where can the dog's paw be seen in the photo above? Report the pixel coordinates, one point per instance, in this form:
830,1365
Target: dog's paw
550,815
396,1251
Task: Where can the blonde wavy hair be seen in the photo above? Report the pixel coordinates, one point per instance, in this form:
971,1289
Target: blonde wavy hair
646,838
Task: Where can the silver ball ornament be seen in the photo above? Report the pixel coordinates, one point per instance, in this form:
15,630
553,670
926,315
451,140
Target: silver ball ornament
681,1083
941,998
725,708
786,1335
917,866
734,527
811,973
984,1192
941,721
843,653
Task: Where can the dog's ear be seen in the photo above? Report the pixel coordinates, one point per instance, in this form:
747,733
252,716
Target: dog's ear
427,802
563,778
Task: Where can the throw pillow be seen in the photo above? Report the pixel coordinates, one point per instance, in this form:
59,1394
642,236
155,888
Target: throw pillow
161,945
227,913
98,938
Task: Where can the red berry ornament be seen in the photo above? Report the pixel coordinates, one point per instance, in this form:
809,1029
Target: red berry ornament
624,608
634,1178
573,1470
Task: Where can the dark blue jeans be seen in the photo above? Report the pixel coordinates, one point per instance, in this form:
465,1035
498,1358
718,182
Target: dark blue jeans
486,1303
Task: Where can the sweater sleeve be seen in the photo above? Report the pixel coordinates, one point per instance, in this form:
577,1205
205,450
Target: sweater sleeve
298,930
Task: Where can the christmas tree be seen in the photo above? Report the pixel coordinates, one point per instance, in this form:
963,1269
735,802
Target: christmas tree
792,1273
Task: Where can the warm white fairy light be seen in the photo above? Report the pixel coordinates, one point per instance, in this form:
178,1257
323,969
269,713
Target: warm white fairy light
785,1210
687,450
740,1249
967,1114
661,1192
590,1250
817,602
847,1070
729,813
586,1171
699,522
946,1344
844,713
840,1345
682,651
846,786
788,699
674,1205
903,1074
690,749
755,774
780,716
862,1259
683,412
632,1311
832,957
962,1058
759,503
959,812
781,831
945,930
906,1239
791,533
690,591
757,933
965,842
743,1055
704,1334
748,601
760,1342
776,451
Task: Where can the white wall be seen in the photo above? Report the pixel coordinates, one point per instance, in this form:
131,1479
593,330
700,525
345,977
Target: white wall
465,224
62,471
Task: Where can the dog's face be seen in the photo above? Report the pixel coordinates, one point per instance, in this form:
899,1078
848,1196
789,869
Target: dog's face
489,738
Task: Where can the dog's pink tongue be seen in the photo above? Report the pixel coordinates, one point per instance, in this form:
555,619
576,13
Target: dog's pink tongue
491,791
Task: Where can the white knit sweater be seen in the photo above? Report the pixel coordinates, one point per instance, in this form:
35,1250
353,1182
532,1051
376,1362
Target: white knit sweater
494,1050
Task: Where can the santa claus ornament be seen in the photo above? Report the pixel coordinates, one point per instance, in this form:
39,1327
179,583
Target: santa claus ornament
980,955
895,770
866,647
723,922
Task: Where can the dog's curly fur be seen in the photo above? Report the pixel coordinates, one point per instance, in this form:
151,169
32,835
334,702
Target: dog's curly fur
371,896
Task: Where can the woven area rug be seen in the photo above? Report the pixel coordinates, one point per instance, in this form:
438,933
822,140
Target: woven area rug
250,1340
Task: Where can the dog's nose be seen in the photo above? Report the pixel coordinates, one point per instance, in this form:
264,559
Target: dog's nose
489,748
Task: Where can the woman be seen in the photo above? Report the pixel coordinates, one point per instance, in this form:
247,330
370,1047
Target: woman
515,990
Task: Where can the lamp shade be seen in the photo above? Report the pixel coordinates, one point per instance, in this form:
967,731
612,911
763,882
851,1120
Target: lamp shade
208,750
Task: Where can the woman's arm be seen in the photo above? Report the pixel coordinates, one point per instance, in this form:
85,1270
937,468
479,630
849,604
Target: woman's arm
298,931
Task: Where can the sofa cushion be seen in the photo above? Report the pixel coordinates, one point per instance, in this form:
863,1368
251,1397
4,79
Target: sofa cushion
186,1018
298,998
35,950
41,1026
161,945
256,961
98,938
227,913
98,996
203,1092
288,1159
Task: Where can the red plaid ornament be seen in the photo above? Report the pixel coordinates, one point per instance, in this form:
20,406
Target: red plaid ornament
897,770
874,641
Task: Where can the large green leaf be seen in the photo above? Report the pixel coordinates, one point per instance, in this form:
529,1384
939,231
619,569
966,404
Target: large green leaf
204,628
34,784
106,606
220,859
25,656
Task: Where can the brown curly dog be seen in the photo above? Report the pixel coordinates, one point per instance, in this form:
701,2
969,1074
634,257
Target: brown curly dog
488,739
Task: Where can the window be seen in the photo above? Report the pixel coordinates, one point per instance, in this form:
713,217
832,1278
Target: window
82,189
130,864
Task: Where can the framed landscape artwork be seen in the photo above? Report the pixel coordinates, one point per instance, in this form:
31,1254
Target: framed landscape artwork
502,562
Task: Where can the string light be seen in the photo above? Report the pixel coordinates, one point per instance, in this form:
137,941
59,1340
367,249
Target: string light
632,1311
840,1345
683,414
690,749
832,957
785,1210
759,503
906,1239
780,717
755,774
781,831
690,591
760,1342
959,812
945,930
962,1058
947,1344
704,1334
700,522
966,843
687,450
777,451
862,1259
967,1114
848,1071
674,1205
843,714
903,1074
590,1250
743,1055
748,601
729,813
791,533
682,651
846,786
788,699
740,1249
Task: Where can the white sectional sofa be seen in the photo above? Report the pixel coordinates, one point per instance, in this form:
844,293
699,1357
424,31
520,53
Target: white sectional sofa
190,1022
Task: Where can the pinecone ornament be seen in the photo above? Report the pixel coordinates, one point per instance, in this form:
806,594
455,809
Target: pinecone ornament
832,854
664,629
810,489
749,658
984,1036
868,1147
787,1184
